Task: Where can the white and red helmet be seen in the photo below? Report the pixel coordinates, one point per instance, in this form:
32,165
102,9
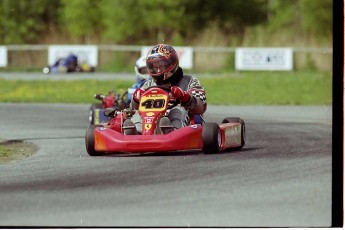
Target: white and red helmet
140,69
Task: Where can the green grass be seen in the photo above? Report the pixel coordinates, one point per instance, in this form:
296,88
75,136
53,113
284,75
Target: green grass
271,88
244,88
4,151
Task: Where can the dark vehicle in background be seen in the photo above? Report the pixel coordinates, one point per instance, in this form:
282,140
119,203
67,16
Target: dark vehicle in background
69,64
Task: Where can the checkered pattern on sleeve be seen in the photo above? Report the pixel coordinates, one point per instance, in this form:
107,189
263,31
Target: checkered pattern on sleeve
196,89
200,94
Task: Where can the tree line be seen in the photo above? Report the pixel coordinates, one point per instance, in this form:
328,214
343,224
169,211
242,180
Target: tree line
147,21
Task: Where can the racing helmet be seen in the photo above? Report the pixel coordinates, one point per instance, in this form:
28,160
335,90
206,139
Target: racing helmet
162,61
141,70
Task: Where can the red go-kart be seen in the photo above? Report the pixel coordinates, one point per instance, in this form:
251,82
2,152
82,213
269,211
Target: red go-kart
112,100
154,104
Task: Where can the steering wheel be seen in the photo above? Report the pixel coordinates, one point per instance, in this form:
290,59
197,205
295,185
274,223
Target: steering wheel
172,103
166,89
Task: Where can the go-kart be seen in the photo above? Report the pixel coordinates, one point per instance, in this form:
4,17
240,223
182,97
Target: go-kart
69,64
112,100
154,104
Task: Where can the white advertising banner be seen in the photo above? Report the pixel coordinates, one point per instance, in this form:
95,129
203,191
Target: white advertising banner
85,53
264,59
185,54
3,56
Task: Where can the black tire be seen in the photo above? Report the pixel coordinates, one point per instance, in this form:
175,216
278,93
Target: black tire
243,127
211,138
92,112
90,141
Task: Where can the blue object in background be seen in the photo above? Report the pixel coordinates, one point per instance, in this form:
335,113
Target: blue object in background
131,90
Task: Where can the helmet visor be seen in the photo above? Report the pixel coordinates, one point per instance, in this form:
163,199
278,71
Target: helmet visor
158,65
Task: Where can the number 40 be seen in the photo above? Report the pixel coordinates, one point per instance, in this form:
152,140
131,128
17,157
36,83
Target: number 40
153,103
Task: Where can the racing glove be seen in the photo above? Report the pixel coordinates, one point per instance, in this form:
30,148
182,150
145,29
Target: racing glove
178,93
137,94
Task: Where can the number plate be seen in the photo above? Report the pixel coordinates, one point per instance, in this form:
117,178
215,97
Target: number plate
153,102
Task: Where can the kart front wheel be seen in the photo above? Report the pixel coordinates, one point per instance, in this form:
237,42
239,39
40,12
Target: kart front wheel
46,70
211,138
90,141
92,109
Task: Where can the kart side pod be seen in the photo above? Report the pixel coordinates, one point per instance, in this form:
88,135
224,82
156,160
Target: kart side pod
229,134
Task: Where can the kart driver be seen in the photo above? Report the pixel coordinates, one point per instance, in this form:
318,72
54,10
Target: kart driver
163,66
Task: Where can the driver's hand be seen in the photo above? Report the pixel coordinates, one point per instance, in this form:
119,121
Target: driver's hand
178,93
137,94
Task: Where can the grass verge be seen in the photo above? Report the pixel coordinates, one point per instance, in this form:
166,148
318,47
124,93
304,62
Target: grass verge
4,152
243,88
15,150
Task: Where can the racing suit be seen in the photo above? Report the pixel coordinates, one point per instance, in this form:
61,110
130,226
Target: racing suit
180,114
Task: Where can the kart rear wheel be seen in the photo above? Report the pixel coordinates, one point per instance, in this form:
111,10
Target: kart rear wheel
211,138
90,141
243,127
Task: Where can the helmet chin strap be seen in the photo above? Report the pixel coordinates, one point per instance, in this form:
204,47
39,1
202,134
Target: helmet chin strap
172,80
159,80
164,78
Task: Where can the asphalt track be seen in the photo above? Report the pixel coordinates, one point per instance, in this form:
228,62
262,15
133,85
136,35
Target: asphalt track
281,178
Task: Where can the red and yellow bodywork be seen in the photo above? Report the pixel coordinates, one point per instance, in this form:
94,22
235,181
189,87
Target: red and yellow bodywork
186,138
153,105
108,140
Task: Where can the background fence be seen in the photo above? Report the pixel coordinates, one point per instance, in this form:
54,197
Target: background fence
119,58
